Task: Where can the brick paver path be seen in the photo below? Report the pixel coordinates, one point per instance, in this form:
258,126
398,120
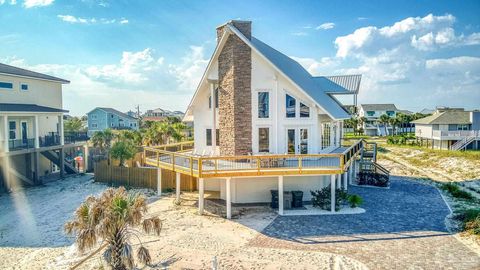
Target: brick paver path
403,228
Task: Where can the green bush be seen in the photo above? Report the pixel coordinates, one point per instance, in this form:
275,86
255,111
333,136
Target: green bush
355,200
456,192
470,219
321,198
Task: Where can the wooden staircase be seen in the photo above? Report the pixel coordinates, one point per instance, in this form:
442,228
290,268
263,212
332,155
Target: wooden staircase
370,172
53,157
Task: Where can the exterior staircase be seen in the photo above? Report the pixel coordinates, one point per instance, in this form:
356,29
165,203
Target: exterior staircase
463,143
53,157
370,172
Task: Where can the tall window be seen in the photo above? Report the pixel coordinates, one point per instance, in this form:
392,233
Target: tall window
290,106
209,137
263,104
216,99
304,110
263,140
325,135
12,125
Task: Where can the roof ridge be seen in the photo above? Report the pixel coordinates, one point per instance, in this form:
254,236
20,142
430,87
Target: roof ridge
49,77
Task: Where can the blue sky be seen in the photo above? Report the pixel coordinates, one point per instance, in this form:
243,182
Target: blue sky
416,54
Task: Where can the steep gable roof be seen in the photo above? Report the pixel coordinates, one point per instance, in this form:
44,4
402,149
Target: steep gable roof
15,71
446,117
317,88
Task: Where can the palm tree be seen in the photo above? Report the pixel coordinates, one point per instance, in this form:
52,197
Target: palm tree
111,219
394,121
73,125
123,150
384,119
361,121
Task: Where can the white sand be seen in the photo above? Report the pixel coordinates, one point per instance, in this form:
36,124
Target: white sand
31,235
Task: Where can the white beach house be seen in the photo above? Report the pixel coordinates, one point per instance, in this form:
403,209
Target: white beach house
262,123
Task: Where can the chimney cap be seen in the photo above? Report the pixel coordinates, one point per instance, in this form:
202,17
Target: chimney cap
233,21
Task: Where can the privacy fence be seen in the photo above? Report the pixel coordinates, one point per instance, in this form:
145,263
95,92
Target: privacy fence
140,177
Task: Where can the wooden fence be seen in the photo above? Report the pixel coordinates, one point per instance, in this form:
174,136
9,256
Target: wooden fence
142,177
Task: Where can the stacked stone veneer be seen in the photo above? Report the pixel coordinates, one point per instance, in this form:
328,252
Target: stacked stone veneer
235,95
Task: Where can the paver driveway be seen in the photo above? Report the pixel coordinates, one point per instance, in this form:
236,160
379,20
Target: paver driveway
403,228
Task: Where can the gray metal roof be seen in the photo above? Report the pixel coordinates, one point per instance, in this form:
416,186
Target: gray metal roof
316,87
12,107
379,107
15,71
446,117
113,111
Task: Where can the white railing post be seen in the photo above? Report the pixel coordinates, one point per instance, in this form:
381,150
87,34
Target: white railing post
332,193
229,197
280,195
177,187
201,195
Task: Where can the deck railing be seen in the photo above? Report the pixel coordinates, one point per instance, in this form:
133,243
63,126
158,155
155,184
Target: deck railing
176,158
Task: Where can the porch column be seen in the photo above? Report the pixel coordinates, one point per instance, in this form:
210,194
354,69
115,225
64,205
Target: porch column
338,184
61,157
159,181
214,116
60,126
6,136
229,198
37,135
280,195
332,193
36,168
177,187
345,178
201,195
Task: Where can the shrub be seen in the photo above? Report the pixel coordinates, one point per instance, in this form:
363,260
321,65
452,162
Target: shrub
321,198
355,200
470,219
456,192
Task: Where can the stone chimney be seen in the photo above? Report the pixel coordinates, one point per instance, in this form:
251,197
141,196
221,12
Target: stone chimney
235,95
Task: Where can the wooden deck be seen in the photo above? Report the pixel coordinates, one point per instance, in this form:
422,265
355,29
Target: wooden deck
174,157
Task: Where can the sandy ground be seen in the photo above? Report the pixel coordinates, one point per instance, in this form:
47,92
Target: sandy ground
187,241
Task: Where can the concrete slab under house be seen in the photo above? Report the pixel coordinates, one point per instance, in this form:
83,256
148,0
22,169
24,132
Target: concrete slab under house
262,123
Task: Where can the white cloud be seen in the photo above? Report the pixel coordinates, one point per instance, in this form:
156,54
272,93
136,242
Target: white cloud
325,26
79,20
37,3
140,77
396,63
422,33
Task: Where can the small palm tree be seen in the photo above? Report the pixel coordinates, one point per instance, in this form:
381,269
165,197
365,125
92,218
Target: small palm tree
384,120
123,150
394,122
111,219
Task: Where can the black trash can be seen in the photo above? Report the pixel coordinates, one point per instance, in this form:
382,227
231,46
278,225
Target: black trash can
297,199
274,203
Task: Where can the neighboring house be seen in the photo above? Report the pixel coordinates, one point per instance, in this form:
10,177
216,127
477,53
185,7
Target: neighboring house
450,128
32,140
372,112
262,122
101,118
159,114
427,111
